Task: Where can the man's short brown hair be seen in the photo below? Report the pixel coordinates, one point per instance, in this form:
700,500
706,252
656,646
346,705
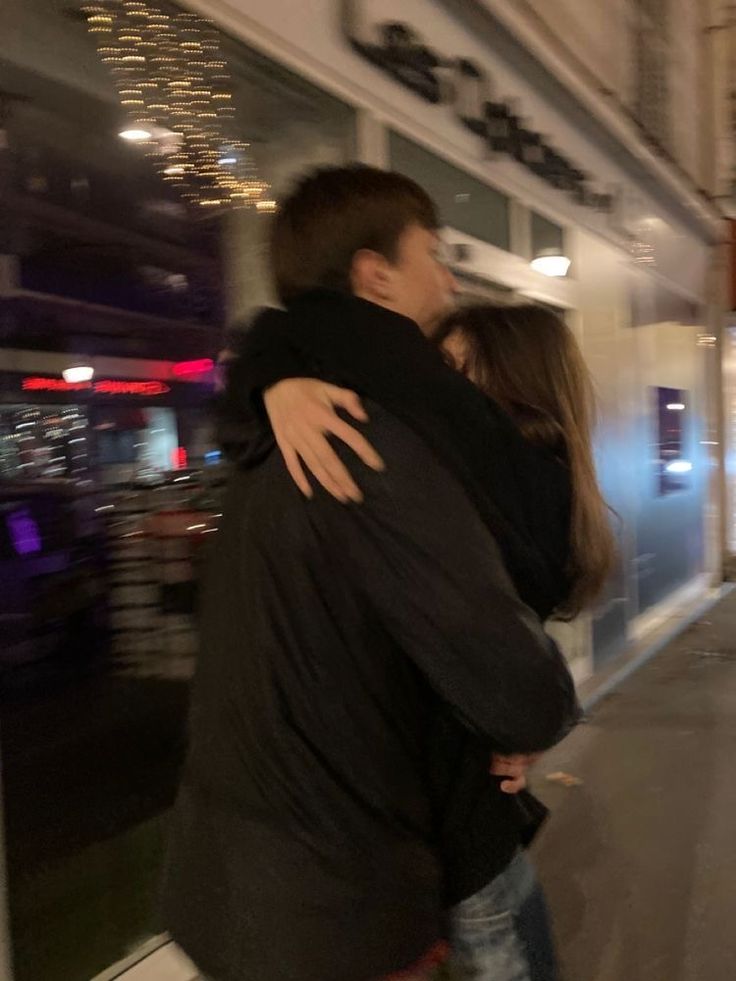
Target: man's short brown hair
335,212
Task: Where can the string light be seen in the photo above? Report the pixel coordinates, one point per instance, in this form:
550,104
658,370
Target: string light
173,82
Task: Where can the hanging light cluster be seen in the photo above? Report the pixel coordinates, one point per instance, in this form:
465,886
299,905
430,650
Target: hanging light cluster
174,86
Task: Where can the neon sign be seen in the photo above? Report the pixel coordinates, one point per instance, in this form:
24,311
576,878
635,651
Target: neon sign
131,387
104,386
53,385
200,367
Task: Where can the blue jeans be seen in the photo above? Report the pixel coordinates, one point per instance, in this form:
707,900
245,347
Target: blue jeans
503,933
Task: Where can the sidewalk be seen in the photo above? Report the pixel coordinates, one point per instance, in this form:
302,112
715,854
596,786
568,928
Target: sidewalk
639,861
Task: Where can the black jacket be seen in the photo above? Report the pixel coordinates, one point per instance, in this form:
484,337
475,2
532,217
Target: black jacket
304,842
523,493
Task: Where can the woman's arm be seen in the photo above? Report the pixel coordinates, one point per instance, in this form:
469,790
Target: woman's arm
268,376
303,416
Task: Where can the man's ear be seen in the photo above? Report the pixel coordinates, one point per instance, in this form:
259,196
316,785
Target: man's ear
372,276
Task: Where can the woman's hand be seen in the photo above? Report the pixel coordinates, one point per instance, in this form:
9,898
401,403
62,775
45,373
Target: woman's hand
302,414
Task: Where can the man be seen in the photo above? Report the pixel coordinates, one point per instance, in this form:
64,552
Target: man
334,637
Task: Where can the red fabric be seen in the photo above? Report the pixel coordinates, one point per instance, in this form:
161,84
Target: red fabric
432,959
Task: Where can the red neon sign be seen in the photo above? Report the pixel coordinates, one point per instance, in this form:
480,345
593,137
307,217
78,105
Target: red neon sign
53,385
131,387
105,386
200,367
179,458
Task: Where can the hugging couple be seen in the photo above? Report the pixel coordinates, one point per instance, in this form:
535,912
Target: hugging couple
412,496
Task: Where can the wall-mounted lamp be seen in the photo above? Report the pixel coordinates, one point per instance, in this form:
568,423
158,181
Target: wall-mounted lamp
550,262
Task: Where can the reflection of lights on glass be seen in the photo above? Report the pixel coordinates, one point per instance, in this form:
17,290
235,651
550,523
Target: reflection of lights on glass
679,466
135,135
266,206
24,531
227,161
676,406
199,367
78,374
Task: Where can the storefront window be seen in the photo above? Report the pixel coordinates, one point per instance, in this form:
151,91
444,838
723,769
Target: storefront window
124,259
546,236
465,203
669,412
669,442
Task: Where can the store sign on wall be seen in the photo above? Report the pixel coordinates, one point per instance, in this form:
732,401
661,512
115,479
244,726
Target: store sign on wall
104,386
397,49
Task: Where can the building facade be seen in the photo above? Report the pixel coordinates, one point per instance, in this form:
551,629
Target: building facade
133,133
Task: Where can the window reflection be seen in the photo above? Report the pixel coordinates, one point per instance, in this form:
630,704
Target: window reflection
673,468
465,203
109,484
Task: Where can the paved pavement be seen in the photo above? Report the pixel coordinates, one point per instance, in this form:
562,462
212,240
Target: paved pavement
639,861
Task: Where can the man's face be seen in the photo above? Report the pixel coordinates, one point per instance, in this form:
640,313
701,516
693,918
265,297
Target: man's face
424,286
417,284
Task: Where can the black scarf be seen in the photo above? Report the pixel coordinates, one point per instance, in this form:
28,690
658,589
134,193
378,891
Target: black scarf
521,491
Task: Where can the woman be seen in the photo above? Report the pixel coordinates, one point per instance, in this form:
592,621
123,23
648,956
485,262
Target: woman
527,362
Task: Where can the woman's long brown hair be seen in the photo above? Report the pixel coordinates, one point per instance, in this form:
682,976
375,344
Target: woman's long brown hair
527,360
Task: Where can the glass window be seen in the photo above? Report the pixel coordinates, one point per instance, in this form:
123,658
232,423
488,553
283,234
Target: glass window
546,236
673,470
668,444
465,203
128,256
654,59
